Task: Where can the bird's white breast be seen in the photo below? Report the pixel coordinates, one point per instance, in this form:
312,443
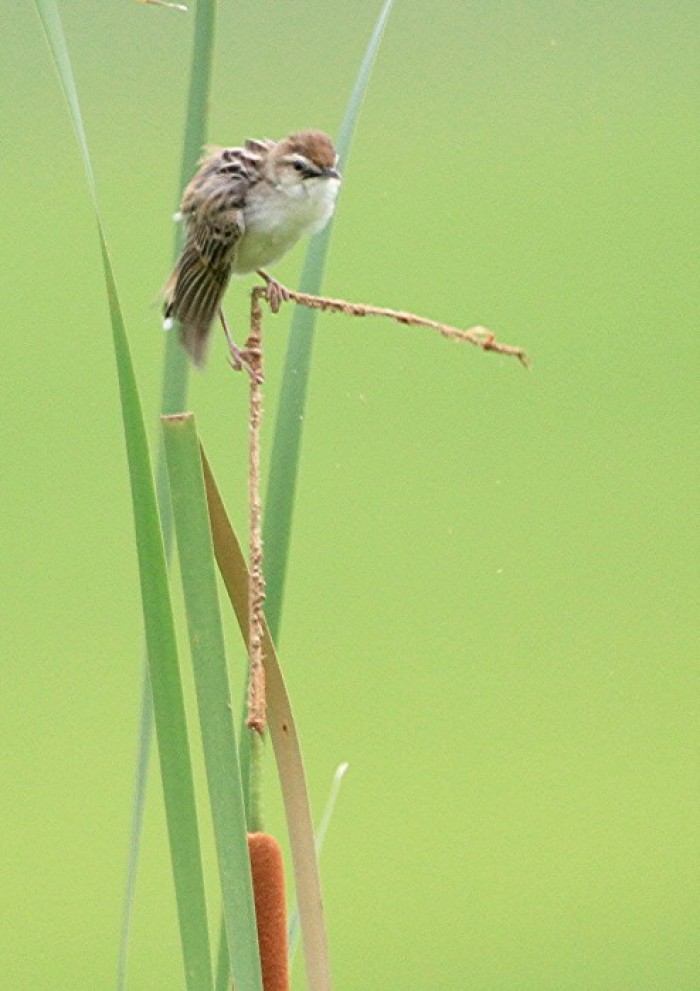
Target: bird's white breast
276,219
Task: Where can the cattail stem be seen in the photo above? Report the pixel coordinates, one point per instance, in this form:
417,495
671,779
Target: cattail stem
270,909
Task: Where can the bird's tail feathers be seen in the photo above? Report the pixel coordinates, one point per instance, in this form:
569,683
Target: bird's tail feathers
192,296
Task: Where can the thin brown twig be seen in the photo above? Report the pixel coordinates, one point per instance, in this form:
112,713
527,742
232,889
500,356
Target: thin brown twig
480,337
256,588
250,358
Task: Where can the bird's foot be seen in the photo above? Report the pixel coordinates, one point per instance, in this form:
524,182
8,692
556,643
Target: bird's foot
275,292
246,359
242,359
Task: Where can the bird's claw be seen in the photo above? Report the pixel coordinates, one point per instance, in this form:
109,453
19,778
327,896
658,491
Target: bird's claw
275,292
245,359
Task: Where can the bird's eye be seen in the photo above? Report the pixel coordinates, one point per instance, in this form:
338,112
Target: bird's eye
299,166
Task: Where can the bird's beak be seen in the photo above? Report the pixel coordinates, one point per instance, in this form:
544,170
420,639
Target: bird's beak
330,173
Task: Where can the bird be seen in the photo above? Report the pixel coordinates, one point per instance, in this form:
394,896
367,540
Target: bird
243,210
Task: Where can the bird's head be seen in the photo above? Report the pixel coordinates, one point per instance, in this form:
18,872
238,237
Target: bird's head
304,162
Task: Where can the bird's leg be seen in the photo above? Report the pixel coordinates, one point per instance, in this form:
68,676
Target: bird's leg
240,357
276,293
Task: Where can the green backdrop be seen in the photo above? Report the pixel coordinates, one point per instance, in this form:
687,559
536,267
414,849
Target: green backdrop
492,596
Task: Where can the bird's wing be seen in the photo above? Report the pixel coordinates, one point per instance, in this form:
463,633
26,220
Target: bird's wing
212,206
213,202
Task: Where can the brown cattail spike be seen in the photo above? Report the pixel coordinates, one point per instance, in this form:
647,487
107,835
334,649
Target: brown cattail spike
270,909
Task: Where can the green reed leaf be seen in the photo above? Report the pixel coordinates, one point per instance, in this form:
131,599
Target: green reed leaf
284,466
173,399
196,556
285,742
161,649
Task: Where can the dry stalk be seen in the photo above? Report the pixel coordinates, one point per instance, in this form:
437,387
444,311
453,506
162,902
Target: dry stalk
480,337
256,588
251,359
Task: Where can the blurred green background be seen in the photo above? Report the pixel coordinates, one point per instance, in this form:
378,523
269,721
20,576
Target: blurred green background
491,607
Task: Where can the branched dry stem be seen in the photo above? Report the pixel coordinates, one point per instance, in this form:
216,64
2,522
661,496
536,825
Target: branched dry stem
480,337
250,359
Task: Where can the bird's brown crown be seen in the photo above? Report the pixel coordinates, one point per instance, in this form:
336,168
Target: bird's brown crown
314,145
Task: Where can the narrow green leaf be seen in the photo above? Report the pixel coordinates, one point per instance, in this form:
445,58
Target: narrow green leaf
222,975
173,399
285,742
161,649
171,727
53,29
284,466
206,634
176,370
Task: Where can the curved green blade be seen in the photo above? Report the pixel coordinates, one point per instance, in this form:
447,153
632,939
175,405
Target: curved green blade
171,727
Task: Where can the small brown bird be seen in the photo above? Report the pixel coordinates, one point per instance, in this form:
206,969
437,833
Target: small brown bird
244,209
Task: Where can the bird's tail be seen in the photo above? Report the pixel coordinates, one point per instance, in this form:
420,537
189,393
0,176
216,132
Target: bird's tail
192,296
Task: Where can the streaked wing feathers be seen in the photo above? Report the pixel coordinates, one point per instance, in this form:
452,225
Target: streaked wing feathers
212,206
